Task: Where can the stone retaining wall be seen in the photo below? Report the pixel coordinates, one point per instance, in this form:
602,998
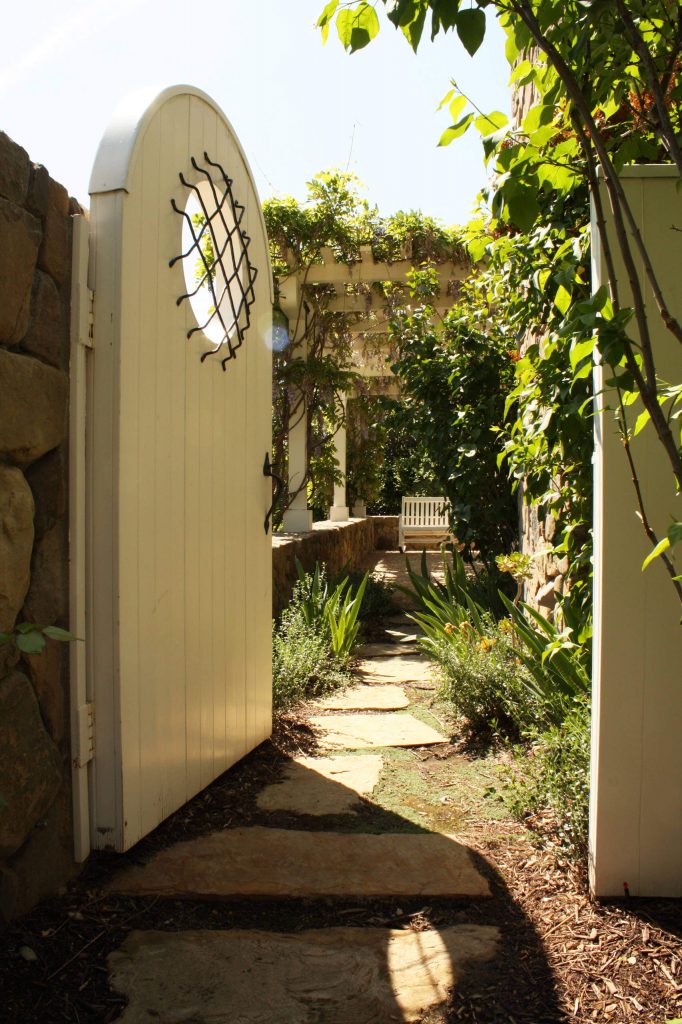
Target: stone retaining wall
334,544
35,261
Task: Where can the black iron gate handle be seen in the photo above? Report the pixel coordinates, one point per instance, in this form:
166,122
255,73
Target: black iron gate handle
279,487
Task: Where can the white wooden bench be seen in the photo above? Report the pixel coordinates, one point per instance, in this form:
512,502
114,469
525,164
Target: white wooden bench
425,520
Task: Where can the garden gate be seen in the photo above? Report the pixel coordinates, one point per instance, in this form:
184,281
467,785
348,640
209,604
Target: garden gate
177,559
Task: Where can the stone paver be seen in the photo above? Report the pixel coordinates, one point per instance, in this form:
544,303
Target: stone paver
408,669
390,565
387,650
367,698
323,785
329,976
270,862
357,732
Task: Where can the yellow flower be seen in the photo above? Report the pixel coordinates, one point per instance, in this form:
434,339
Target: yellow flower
486,644
449,628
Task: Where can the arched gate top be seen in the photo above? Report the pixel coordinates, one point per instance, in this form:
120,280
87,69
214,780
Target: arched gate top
115,157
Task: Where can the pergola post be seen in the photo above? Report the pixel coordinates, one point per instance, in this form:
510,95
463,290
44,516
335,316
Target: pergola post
339,512
298,518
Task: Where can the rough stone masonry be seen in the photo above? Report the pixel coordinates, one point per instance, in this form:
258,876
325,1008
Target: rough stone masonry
35,263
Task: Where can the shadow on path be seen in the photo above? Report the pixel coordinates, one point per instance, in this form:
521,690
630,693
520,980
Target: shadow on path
72,936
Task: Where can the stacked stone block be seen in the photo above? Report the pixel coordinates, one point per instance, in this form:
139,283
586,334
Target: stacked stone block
35,262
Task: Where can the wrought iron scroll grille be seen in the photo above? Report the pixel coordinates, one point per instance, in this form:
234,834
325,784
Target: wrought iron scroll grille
224,267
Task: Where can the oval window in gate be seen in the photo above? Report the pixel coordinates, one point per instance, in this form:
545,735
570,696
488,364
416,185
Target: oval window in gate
219,276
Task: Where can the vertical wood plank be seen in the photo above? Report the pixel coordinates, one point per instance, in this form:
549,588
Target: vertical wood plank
144,346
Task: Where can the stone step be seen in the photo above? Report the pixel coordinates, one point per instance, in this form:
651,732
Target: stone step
403,621
405,637
258,862
321,976
397,669
358,732
323,785
367,698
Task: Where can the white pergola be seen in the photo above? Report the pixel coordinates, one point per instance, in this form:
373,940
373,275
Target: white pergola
364,306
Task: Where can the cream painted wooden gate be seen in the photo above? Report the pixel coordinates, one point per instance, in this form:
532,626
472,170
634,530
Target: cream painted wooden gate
178,560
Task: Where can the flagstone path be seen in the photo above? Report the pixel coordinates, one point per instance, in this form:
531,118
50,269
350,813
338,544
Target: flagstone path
330,975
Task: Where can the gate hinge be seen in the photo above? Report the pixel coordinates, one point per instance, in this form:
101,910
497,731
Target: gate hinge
84,740
89,336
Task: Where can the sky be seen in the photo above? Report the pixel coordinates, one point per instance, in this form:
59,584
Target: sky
297,106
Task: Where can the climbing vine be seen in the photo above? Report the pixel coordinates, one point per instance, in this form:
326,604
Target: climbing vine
315,368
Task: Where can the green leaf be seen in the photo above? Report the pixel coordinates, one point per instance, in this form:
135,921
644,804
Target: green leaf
443,15
562,299
662,546
488,124
536,117
477,247
31,643
470,27
409,16
455,130
523,69
326,17
523,206
642,421
542,279
55,633
357,27
457,106
447,98
672,538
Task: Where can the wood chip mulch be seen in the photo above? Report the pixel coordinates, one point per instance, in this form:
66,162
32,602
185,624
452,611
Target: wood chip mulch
609,962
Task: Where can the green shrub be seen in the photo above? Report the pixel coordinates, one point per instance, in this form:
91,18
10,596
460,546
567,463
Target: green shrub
303,665
550,778
483,678
312,643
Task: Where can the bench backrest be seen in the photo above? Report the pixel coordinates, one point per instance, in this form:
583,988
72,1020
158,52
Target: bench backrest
425,512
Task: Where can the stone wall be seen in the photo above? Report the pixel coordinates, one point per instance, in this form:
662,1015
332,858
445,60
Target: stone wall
35,261
334,544
548,580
